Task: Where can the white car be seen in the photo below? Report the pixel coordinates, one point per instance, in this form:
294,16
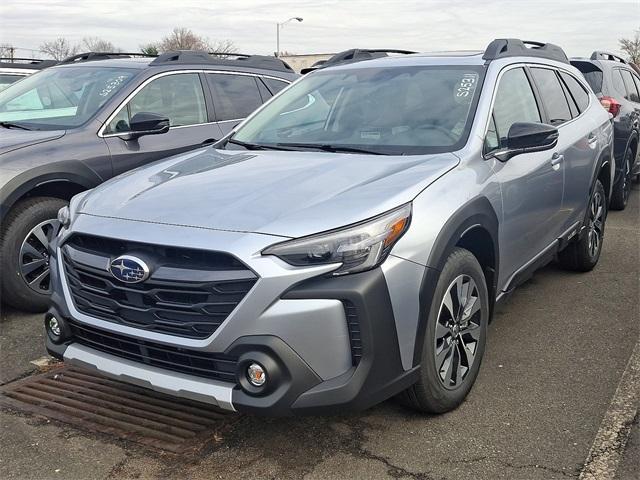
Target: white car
14,69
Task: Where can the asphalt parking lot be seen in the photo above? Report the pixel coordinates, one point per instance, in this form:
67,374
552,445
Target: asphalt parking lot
557,351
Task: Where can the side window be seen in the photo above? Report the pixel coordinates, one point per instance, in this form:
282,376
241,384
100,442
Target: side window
514,102
632,93
491,141
573,106
618,84
553,96
275,85
578,92
636,80
234,96
178,97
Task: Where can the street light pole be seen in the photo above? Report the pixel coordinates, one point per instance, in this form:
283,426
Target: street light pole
278,25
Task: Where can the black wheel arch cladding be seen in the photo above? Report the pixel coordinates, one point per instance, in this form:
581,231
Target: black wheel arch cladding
477,213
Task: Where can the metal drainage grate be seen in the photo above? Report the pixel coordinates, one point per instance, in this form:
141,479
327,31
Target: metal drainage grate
98,404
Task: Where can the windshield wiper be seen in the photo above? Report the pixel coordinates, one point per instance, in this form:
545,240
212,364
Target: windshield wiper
255,146
13,125
331,148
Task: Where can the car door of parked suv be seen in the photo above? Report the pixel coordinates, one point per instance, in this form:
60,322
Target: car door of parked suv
178,96
531,183
235,97
564,99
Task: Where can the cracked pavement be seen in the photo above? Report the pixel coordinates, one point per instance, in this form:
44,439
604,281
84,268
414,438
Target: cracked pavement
556,352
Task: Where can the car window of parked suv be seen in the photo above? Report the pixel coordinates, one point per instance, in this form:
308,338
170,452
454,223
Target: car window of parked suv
514,102
60,98
235,96
553,96
631,93
388,111
579,94
274,85
179,97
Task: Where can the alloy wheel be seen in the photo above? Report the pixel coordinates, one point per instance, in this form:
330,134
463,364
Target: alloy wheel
596,224
457,334
34,256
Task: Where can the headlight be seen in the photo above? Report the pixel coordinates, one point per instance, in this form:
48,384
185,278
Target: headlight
64,217
358,247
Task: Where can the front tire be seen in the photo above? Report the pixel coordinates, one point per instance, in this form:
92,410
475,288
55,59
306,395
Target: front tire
24,252
455,336
583,254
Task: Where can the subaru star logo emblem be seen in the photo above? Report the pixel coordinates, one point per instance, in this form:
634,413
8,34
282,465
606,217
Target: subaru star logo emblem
129,269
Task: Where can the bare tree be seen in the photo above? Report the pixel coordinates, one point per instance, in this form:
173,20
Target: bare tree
96,44
182,38
59,49
631,46
7,51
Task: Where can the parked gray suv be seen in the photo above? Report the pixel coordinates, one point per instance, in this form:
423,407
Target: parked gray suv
347,242
96,115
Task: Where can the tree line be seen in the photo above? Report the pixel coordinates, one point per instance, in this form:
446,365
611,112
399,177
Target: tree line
180,38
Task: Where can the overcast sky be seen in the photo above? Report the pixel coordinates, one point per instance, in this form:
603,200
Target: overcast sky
580,26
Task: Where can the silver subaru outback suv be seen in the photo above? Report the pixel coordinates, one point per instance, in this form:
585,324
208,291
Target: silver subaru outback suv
346,243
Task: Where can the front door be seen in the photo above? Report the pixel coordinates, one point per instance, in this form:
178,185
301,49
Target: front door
177,96
531,183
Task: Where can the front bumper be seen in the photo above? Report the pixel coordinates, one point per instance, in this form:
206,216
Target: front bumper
296,388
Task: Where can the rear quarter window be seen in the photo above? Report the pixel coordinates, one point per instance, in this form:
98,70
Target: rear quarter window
577,91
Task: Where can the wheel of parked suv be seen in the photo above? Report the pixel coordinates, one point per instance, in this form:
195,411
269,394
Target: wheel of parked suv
583,254
24,252
455,336
622,189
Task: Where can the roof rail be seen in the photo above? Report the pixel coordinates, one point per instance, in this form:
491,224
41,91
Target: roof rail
514,47
200,57
33,63
598,55
87,56
355,55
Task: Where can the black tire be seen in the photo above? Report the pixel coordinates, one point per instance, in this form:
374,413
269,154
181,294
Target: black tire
19,222
580,255
435,391
622,188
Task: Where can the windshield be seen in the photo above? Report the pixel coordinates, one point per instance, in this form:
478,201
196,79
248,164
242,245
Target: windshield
61,98
393,111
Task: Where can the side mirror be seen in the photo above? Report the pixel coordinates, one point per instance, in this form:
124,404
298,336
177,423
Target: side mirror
525,137
146,123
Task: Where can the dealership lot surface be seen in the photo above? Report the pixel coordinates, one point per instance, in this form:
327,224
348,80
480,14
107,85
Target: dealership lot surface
557,351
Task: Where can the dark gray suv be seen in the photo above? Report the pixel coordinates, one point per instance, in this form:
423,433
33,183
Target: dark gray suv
71,127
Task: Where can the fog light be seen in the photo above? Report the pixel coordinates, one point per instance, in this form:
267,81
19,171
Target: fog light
256,375
54,326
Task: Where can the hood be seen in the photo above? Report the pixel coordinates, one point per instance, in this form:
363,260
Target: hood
290,194
14,138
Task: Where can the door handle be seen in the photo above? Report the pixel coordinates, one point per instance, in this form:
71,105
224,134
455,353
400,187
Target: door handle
592,139
556,160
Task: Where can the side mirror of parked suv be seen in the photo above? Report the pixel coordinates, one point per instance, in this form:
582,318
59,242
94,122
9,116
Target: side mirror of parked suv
147,123
525,137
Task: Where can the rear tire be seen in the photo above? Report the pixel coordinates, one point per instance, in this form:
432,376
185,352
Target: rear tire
27,229
455,337
622,188
583,254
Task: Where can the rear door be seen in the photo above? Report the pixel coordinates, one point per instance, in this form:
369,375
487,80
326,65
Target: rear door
235,97
178,96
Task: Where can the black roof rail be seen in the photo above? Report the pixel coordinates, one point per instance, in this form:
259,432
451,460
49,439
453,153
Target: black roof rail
355,55
599,55
88,56
199,57
514,47
31,63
